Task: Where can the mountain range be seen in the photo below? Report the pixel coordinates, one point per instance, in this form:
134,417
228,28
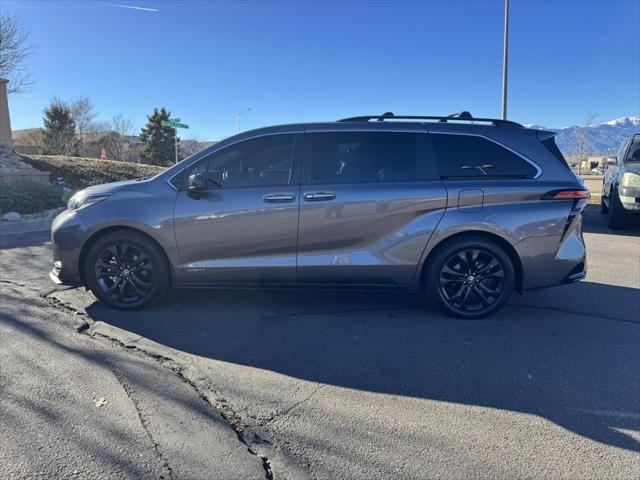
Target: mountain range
602,139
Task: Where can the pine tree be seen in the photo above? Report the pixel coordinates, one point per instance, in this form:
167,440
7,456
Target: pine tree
59,136
159,146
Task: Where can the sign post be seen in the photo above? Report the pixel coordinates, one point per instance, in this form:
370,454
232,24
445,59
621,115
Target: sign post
175,124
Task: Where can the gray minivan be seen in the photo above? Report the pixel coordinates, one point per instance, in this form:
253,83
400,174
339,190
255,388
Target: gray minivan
464,209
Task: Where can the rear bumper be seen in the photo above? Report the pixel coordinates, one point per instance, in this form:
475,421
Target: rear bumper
554,259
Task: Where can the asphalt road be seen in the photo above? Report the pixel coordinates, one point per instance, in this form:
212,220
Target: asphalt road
323,385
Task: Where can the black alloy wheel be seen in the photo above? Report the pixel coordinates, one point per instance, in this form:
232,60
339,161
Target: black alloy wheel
126,270
470,278
124,273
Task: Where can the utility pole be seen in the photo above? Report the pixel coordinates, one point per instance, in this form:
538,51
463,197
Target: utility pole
238,118
505,60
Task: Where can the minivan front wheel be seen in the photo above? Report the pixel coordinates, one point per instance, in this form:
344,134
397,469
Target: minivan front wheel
126,270
470,278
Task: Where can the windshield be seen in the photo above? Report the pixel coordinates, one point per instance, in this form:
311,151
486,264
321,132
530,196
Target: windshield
633,155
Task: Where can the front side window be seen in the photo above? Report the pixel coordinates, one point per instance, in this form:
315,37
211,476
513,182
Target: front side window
469,156
262,161
355,157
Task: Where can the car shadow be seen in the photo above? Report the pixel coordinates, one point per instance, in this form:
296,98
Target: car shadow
596,222
575,368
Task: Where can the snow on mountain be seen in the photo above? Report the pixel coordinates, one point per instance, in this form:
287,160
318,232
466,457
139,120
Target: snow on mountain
603,139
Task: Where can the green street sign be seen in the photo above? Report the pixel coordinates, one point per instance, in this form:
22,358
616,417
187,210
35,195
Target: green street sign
175,119
173,124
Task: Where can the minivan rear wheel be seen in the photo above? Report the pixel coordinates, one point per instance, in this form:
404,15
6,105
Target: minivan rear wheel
470,278
126,270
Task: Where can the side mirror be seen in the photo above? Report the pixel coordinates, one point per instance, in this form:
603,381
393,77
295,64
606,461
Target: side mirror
197,185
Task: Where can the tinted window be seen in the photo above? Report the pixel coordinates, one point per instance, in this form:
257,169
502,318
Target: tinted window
260,161
633,155
351,157
472,156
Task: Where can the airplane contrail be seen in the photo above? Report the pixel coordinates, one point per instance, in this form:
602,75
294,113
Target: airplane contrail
145,9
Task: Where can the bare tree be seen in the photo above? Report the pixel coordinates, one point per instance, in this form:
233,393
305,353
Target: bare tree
115,141
83,114
34,138
14,50
584,143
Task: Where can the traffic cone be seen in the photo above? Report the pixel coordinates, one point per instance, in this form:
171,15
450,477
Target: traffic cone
103,155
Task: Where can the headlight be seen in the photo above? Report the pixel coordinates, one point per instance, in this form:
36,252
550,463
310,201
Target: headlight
630,180
82,200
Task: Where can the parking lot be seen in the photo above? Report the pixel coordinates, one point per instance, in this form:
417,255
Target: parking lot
339,384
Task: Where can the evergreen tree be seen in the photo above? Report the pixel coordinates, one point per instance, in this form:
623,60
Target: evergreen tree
159,147
59,137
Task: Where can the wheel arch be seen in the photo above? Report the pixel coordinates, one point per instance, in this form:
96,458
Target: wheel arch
504,244
95,236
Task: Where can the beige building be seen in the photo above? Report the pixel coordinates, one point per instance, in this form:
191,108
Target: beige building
5,122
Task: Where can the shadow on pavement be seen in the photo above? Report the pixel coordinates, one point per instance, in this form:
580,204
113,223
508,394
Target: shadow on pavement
596,222
577,369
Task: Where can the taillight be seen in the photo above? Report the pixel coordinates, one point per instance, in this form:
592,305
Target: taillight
579,196
566,195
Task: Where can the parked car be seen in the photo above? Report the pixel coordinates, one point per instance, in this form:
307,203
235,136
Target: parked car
621,183
597,171
463,209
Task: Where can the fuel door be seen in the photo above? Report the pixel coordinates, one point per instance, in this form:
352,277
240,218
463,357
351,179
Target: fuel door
470,200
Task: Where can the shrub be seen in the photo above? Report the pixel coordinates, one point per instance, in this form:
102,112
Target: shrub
79,172
27,196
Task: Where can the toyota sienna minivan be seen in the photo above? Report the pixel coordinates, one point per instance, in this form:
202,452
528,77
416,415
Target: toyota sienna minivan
463,209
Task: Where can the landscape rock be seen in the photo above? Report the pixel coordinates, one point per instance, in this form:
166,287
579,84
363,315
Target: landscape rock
11,217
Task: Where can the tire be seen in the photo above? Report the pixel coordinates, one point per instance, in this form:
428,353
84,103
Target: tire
126,270
617,217
452,277
603,206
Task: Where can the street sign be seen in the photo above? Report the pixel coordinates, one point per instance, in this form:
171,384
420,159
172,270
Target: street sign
173,124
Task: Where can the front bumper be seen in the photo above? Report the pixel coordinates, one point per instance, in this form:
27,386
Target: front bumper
67,236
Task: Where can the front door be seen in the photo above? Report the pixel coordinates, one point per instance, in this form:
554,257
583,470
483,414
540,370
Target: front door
244,228
368,207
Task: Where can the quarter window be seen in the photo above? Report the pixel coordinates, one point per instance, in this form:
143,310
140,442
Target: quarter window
354,157
257,162
473,156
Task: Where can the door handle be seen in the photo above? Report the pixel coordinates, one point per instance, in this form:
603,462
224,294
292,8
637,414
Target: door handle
279,197
319,196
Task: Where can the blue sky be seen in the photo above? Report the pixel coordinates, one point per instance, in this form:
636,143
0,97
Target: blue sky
307,61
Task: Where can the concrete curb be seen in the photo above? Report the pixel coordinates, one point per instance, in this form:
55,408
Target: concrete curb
28,226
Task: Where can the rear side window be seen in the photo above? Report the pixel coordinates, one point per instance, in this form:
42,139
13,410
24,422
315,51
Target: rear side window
354,157
467,156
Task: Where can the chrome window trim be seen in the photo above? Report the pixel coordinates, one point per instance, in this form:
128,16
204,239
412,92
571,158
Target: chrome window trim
424,130
531,162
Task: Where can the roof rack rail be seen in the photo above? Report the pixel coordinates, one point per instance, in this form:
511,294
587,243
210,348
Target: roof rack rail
461,116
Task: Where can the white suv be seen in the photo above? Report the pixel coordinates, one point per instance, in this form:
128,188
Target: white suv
621,183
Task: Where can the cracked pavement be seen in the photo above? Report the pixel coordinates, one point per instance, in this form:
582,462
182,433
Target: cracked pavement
255,384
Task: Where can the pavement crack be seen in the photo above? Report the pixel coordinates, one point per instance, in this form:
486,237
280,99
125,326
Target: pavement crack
573,312
256,445
295,405
131,395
